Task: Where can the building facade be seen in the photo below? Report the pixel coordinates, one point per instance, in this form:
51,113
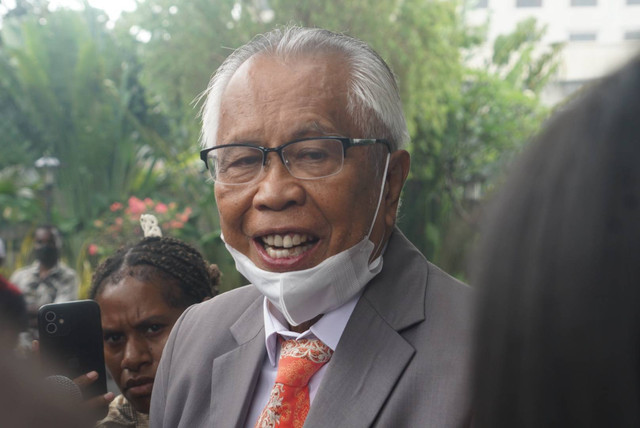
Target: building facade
599,35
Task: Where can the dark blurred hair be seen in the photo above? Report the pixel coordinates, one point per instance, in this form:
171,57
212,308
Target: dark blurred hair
13,313
171,259
558,272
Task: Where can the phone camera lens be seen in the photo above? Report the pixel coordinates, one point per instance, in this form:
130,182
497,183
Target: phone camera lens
50,316
51,328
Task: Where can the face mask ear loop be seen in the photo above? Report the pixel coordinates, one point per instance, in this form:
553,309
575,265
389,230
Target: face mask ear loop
384,179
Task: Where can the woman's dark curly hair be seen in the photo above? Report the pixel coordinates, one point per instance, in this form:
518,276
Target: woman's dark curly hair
164,258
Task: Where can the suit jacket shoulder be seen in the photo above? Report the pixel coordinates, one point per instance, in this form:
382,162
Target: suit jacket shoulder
404,357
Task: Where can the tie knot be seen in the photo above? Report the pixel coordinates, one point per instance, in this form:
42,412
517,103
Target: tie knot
300,360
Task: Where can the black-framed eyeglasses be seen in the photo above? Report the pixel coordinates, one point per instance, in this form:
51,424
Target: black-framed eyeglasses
306,158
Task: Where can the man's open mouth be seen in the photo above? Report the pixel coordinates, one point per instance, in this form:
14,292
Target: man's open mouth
288,245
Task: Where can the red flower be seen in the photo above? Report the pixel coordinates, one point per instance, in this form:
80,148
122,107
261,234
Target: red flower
161,208
93,249
136,206
175,224
184,217
116,206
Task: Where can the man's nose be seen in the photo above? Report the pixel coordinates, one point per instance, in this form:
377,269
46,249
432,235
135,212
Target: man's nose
277,189
136,353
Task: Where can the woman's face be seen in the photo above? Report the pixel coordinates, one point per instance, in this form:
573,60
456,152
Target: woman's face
136,322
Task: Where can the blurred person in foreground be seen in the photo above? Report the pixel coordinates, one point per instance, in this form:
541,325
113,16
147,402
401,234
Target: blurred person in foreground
142,290
26,402
303,132
13,309
558,272
46,280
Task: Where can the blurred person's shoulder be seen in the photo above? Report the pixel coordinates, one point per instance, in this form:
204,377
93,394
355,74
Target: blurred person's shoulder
66,271
24,274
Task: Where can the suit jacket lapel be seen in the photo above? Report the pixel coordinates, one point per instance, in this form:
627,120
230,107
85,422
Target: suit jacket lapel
235,374
363,370
372,354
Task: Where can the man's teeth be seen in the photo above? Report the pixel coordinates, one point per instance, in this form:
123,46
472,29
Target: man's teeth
286,241
279,246
286,252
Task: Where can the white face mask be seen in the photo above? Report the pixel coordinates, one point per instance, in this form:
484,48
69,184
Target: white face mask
304,294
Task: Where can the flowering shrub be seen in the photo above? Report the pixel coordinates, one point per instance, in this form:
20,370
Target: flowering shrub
121,224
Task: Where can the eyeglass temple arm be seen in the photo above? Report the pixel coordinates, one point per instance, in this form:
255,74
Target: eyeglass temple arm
367,142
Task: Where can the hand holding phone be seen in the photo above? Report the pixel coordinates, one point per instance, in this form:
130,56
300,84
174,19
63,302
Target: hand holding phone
71,343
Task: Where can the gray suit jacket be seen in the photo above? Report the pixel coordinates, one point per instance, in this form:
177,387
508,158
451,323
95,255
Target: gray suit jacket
403,359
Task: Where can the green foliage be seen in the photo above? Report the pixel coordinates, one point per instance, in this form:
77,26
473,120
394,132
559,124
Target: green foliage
518,59
18,201
490,116
70,91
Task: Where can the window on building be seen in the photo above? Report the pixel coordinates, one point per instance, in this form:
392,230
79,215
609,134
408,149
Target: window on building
584,2
481,4
632,35
530,3
584,36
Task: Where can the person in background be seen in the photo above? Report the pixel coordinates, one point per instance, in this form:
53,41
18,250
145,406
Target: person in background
303,132
46,280
558,272
13,309
142,290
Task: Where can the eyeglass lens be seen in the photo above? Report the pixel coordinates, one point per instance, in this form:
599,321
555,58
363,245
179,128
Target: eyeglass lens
307,159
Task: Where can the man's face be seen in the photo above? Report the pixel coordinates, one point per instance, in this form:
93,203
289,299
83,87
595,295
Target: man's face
269,103
45,247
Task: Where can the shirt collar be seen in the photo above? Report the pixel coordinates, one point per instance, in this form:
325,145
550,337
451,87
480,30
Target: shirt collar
328,329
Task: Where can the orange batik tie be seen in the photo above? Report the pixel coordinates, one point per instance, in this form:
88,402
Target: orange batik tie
289,401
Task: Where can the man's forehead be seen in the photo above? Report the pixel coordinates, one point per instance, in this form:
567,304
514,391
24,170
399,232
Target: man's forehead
305,95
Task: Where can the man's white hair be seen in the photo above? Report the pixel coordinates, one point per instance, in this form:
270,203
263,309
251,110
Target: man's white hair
373,101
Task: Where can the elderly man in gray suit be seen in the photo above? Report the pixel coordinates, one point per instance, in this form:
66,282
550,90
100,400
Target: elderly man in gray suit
302,134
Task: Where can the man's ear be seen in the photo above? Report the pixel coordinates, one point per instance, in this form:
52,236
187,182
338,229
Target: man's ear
399,164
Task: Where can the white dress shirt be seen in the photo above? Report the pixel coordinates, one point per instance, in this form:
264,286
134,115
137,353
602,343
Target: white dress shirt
328,329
